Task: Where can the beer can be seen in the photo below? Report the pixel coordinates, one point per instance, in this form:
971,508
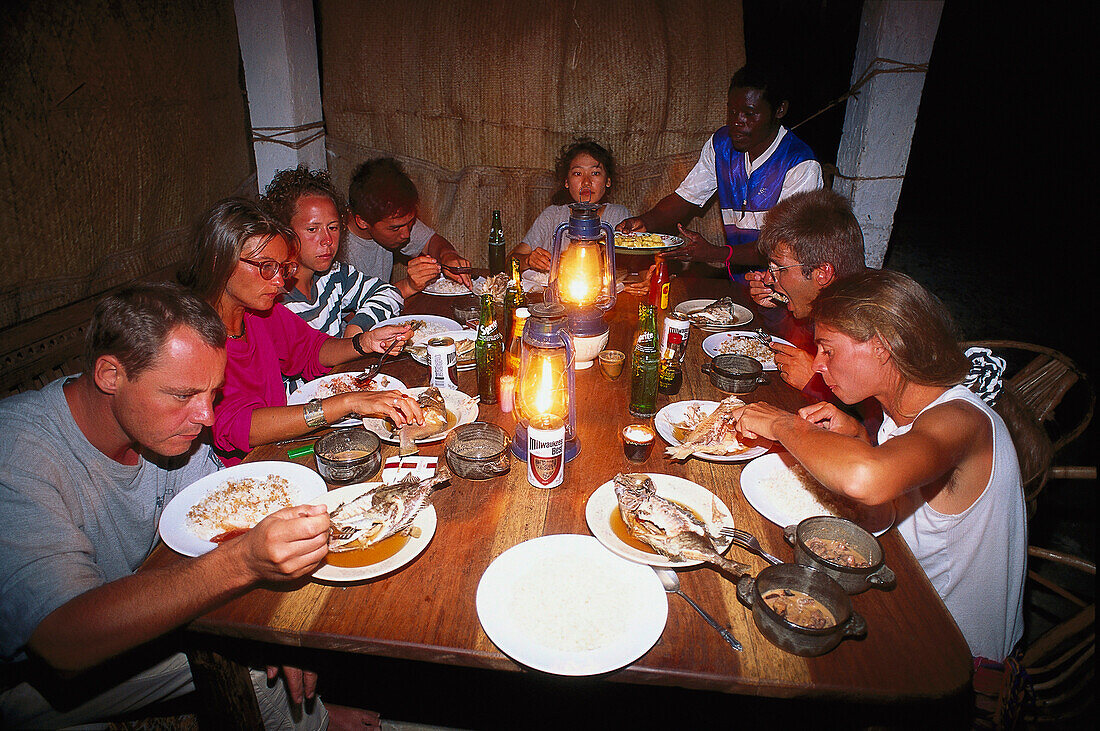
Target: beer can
675,324
442,360
546,451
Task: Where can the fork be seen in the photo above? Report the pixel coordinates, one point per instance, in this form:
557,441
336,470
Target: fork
341,534
748,540
457,270
762,336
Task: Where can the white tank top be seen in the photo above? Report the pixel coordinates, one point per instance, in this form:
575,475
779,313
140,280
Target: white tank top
976,559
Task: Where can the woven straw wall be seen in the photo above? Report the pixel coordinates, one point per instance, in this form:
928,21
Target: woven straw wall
477,97
120,121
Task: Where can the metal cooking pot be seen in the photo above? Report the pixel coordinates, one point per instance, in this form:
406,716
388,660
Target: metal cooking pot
734,373
854,580
787,635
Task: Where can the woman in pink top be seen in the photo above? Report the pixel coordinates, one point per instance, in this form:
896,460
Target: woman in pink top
242,262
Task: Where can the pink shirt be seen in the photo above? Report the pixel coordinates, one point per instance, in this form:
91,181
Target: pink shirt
276,343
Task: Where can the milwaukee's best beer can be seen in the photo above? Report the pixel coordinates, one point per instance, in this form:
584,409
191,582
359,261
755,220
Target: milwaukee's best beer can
442,359
546,451
674,324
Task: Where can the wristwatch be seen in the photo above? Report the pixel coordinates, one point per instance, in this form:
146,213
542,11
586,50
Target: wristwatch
355,344
315,414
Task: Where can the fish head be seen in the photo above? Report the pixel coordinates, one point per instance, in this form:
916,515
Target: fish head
632,488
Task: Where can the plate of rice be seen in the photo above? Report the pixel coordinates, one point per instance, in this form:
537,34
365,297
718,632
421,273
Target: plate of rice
743,342
233,500
335,383
445,287
564,604
781,490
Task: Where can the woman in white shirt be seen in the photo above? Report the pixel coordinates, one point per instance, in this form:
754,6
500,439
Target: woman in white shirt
942,455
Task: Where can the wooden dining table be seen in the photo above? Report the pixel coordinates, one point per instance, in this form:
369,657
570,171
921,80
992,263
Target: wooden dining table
913,650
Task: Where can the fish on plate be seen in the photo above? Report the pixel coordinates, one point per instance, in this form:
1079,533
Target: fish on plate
385,511
435,420
720,312
667,527
713,434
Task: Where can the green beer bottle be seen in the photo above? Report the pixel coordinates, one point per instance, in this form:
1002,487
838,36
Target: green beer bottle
496,245
643,365
488,353
514,298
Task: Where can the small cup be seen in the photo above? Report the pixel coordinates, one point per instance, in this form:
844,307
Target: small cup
637,442
611,363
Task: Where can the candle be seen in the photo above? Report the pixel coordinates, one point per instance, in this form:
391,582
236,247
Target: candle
507,391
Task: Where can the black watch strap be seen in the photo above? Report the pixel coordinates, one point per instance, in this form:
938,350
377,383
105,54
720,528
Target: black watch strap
355,344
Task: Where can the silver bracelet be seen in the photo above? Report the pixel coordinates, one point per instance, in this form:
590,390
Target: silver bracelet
315,414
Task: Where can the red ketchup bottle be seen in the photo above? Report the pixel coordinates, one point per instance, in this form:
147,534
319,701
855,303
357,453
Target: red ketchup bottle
659,284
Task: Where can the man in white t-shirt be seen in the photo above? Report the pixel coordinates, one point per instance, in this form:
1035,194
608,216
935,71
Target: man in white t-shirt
383,204
752,163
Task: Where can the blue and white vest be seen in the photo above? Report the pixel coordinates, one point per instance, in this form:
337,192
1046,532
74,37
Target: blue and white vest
739,194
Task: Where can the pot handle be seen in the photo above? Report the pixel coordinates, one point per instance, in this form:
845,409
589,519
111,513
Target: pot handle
884,578
705,368
504,464
856,626
744,590
763,379
791,534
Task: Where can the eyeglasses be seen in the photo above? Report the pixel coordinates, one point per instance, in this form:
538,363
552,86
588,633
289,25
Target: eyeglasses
269,267
773,270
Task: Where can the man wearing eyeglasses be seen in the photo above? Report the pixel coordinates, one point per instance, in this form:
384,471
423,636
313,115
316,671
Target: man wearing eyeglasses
810,240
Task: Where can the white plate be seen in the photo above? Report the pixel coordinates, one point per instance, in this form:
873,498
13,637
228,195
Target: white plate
670,242
462,406
603,502
877,520
309,391
562,604
464,364
174,526
712,344
533,280
675,411
444,290
439,325
744,314
425,520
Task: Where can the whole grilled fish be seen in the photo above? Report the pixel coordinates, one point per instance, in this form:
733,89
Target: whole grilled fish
715,434
435,420
719,312
376,515
668,528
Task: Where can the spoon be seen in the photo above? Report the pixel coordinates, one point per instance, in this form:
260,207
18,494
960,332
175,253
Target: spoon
671,582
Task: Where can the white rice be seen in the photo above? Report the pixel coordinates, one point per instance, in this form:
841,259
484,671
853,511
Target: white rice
800,494
443,285
239,504
742,345
562,607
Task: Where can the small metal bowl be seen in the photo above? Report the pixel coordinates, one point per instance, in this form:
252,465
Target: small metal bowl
337,466
854,580
478,451
787,635
734,373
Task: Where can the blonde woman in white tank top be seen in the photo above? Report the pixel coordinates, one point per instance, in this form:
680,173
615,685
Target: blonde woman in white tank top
943,456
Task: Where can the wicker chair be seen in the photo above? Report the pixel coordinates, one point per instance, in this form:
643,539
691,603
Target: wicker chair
1047,402
1052,680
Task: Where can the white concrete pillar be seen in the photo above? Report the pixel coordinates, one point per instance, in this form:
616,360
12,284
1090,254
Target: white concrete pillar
279,51
879,123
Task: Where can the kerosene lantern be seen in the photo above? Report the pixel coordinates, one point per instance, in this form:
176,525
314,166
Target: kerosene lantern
545,385
582,278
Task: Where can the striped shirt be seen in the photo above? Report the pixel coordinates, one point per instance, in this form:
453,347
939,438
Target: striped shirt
340,297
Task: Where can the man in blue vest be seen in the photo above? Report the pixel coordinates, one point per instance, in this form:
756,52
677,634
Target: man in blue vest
752,163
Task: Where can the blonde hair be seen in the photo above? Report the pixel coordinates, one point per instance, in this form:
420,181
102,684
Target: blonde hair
913,325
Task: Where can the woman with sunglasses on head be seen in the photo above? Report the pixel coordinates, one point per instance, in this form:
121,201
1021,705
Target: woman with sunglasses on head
243,261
